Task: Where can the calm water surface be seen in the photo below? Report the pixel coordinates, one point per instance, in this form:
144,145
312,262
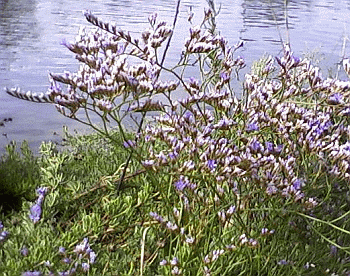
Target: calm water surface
31,32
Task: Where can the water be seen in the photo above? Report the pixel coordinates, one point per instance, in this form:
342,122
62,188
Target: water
31,32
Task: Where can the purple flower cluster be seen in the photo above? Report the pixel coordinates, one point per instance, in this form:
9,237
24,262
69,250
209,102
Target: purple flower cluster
256,146
105,78
36,209
32,273
3,234
174,264
84,258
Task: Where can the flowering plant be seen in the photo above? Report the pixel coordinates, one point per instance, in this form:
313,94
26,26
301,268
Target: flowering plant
241,181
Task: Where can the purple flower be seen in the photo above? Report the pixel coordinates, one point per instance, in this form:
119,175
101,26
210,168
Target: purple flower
129,143
279,149
297,184
252,127
163,262
148,163
180,185
32,273
1,225
92,256
231,210
282,262
156,217
173,155
271,190
269,147
35,213
61,250
188,117
82,247
24,251
264,231
295,61
211,164
42,191
333,250
255,146
3,235
85,267
66,260
335,99
174,261
224,76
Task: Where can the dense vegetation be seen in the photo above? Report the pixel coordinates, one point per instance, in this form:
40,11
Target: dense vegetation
220,182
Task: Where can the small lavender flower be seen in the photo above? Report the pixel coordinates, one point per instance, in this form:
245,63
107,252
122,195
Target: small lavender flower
252,127
171,226
333,250
335,99
129,143
156,217
212,164
231,210
92,256
222,215
35,213
66,260
175,271
32,273
1,225
148,163
182,231
269,146
3,235
82,247
297,184
180,185
278,149
163,262
24,251
282,262
174,261
47,263
271,190
85,267
253,243
243,239
176,212
224,77
264,231
207,259
61,250
42,191
190,240
308,265
255,146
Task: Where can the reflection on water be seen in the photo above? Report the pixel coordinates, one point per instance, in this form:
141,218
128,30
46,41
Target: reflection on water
31,32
